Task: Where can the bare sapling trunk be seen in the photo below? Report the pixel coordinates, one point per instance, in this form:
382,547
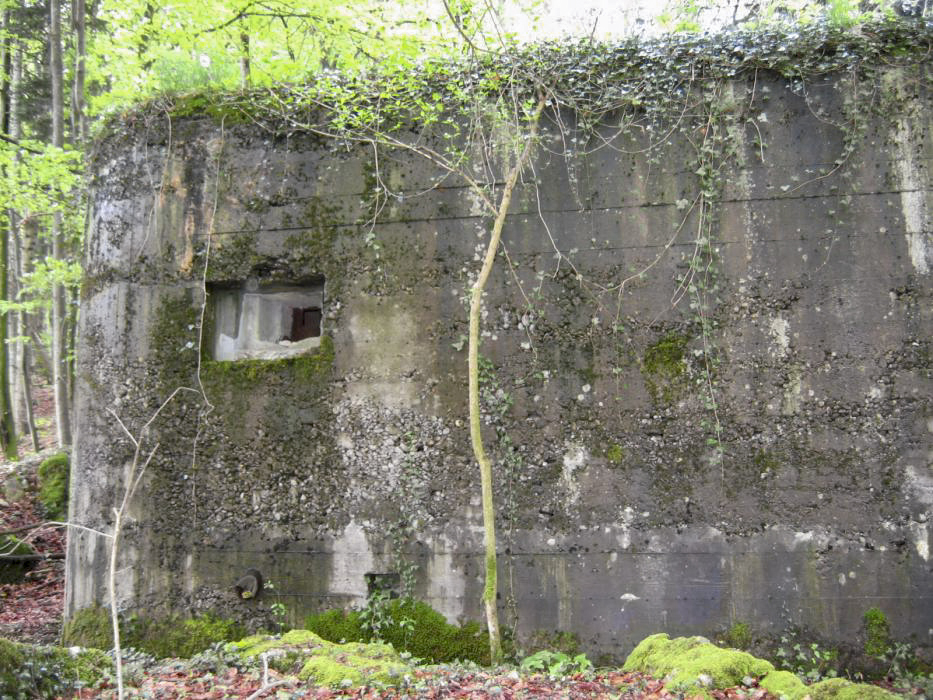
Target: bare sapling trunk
135,476
476,437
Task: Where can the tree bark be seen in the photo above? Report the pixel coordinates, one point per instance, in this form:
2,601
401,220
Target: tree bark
59,315
7,427
476,436
79,23
20,265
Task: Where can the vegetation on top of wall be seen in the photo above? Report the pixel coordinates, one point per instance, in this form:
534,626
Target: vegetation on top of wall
593,78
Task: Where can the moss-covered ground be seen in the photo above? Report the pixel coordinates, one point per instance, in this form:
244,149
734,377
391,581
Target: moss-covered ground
302,664
697,667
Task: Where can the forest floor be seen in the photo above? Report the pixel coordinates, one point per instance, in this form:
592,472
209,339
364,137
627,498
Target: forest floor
31,611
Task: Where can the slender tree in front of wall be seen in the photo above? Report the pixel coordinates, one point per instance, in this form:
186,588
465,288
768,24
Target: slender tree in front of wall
490,590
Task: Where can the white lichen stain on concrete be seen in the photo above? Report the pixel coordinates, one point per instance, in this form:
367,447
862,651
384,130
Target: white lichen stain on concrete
477,206
779,332
913,186
919,484
575,457
792,394
921,538
352,560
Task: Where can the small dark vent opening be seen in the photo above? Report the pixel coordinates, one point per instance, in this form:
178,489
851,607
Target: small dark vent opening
306,323
388,583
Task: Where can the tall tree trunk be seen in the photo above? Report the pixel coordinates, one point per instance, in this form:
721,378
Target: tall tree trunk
7,428
59,316
490,589
79,24
20,264
23,367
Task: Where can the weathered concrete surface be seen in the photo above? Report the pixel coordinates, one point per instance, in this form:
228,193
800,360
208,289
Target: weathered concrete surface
617,519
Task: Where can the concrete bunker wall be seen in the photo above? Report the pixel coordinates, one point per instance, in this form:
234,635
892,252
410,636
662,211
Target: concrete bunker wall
617,516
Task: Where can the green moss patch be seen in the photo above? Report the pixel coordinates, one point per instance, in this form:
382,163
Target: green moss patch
53,486
787,686
10,545
664,367
312,658
692,662
784,684
243,374
37,671
414,627
14,571
841,689
166,637
615,454
877,632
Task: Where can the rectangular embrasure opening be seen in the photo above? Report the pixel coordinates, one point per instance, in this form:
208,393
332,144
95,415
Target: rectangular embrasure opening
266,321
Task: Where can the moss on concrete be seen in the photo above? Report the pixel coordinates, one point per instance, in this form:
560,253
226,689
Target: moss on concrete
53,486
877,632
241,373
164,637
663,367
173,339
615,454
429,637
89,627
